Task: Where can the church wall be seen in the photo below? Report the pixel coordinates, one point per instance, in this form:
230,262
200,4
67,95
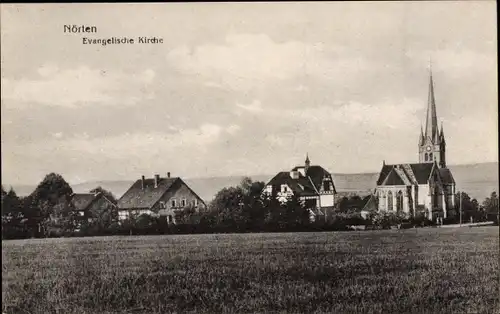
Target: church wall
383,195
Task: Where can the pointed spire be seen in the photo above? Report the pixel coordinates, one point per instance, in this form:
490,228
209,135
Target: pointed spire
383,162
422,139
431,127
307,163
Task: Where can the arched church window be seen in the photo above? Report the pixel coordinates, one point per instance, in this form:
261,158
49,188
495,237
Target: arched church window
399,202
430,156
426,157
389,200
435,197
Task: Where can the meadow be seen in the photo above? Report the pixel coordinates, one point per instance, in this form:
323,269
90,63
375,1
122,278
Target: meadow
395,271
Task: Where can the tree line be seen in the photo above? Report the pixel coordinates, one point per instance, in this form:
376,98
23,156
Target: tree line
49,212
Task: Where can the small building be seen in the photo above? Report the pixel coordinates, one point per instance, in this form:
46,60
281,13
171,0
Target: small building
158,197
87,205
312,184
363,205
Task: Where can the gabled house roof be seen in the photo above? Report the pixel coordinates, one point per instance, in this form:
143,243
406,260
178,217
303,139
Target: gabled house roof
366,203
139,196
82,201
307,185
143,193
317,173
301,186
399,174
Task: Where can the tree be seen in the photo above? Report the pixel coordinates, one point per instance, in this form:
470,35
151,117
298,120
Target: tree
10,205
343,203
386,220
63,218
106,193
470,207
13,225
186,216
246,185
290,215
297,214
40,204
491,207
228,207
253,207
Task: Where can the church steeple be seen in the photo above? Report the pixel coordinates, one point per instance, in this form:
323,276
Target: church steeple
422,139
431,144
431,124
307,163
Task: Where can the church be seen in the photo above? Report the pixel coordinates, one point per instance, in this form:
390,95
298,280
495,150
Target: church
426,187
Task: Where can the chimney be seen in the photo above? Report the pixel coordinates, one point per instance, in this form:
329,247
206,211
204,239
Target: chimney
157,179
294,174
168,174
142,182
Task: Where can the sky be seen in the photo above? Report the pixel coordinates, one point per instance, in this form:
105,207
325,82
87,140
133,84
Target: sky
242,88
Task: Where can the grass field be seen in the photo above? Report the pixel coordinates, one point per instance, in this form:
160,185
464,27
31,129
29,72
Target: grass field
395,271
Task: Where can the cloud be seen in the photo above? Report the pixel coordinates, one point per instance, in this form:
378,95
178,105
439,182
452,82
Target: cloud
133,144
57,135
78,87
302,88
233,129
375,115
246,60
458,62
254,107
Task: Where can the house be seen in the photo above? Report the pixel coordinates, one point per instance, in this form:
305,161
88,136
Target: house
428,186
87,205
312,184
363,205
158,197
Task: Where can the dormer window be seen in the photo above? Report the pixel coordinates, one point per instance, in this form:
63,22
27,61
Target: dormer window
326,185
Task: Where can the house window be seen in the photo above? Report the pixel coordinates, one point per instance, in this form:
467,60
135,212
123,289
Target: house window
169,218
269,189
174,203
310,203
284,188
163,205
326,185
122,215
183,203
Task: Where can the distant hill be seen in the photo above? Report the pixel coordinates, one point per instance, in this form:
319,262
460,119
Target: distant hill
478,180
